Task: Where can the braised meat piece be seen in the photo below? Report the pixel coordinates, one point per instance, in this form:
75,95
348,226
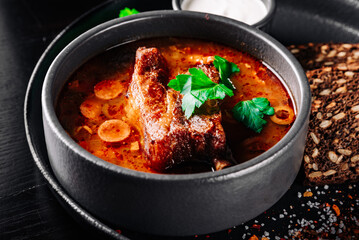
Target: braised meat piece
170,138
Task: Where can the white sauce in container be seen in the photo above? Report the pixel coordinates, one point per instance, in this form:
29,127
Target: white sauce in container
248,11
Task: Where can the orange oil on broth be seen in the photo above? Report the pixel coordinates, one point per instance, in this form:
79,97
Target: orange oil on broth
82,109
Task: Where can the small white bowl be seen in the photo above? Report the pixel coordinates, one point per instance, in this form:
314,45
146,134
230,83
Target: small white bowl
263,24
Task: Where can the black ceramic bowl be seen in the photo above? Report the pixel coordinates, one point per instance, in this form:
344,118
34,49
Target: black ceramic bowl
186,204
263,24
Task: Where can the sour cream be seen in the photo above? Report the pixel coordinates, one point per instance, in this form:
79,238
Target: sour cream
248,11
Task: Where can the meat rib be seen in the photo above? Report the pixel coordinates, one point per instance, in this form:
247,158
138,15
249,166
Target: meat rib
170,138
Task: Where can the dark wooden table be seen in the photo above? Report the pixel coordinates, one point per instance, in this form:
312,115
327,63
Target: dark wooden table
28,209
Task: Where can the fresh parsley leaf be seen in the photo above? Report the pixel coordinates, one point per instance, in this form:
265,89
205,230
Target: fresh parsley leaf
127,12
203,88
182,83
197,88
225,69
251,113
189,103
263,105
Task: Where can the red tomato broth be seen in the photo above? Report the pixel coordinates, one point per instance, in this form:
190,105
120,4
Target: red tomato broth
78,100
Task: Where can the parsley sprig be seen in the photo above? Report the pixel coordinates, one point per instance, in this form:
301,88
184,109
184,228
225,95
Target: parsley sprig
127,12
251,113
197,88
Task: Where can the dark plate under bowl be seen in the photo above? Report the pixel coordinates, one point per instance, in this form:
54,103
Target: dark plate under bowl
175,205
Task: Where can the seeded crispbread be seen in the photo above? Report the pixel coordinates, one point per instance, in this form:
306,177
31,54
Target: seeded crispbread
336,55
327,81
332,149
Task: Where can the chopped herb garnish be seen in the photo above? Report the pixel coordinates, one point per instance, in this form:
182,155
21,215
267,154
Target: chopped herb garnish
226,69
127,12
251,113
197,88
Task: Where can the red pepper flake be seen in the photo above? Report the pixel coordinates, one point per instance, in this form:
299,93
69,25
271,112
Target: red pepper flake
350,196
256,226
118,231
327,204
229,230
336,209
254,237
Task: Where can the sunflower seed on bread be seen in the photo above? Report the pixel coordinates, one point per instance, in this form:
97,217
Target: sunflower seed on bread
328,81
